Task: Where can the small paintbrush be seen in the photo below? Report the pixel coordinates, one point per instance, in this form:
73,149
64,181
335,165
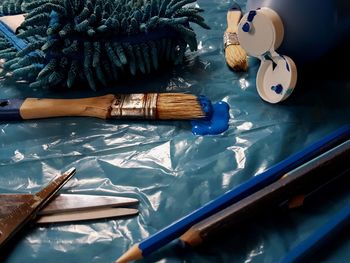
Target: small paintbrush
158,106
235,55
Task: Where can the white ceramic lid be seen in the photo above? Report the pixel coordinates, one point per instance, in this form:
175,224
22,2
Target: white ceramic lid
276,78
260,33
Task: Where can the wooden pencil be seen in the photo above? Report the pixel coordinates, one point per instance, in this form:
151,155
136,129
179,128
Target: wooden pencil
179,227
159,106
309,176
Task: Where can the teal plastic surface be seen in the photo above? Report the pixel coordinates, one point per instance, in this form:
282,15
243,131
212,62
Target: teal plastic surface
171,171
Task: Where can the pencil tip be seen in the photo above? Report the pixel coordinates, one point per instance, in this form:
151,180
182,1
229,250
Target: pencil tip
132,254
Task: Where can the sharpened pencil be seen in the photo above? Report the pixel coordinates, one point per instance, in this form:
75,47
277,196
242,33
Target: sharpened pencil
305,178
176,229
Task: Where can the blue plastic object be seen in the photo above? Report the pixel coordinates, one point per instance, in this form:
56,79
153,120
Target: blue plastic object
10,109
18,43
312,28
320,238
256,183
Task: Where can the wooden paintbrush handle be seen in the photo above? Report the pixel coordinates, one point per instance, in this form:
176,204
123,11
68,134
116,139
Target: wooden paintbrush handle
233,18
32,108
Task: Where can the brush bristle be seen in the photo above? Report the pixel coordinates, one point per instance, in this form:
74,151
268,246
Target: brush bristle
236,58
176,106
99,42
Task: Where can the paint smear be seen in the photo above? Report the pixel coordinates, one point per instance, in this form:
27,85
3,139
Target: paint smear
216,123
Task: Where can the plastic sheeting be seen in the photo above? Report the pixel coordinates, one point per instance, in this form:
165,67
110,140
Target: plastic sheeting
171,171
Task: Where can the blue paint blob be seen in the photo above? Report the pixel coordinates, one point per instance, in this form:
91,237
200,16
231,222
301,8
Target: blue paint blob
251,16
278,88
246,27
215,124
206,105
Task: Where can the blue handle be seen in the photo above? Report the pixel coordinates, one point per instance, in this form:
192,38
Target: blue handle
10,109
16,42
320,238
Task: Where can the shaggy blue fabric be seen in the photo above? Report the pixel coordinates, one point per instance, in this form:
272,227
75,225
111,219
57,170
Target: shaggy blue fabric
98,42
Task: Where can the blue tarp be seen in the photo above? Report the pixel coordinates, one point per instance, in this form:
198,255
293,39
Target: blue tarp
171,171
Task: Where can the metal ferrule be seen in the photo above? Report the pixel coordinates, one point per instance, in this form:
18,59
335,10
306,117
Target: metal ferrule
135,106
230,39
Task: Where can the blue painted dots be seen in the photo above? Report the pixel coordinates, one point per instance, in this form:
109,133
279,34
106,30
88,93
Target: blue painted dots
278,88
251,15
246,27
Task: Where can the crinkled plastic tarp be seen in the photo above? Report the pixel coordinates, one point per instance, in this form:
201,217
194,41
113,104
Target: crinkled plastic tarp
171,171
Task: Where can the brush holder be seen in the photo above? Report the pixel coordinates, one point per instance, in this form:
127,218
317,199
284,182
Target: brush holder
260,33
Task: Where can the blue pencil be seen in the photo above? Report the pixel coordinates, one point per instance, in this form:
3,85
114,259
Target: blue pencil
169,233
319,238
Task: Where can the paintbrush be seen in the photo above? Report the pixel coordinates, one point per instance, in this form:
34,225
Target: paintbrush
159,106
236,57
